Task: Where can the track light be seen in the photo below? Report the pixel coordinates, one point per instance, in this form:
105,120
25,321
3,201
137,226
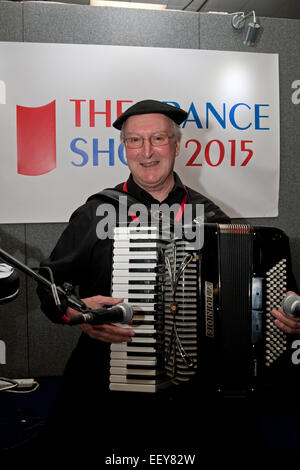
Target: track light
253,28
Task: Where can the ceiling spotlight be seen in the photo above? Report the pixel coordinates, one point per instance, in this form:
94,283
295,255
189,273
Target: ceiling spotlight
253,28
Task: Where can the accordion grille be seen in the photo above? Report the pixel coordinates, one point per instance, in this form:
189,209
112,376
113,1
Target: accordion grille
276,342
181,321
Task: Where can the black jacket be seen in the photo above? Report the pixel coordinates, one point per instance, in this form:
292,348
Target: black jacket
83,260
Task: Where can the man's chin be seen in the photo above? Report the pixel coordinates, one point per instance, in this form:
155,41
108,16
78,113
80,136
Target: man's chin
153,182
148,184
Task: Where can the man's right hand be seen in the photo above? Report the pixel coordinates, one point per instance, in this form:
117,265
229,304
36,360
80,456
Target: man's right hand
108,332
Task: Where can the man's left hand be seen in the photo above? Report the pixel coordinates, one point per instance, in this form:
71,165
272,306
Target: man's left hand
287,324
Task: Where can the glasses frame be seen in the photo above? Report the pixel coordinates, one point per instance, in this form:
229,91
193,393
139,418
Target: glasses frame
142,140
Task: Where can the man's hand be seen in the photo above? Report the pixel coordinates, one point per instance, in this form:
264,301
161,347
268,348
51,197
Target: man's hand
284,322
108,332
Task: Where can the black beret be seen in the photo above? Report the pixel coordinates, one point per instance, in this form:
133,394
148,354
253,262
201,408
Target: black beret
152,106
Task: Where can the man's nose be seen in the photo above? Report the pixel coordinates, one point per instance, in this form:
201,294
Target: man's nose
148,148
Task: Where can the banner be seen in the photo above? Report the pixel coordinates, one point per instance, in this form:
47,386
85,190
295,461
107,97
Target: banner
58,103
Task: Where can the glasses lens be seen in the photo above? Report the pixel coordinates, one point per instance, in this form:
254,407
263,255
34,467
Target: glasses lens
137,141
134,142
159,139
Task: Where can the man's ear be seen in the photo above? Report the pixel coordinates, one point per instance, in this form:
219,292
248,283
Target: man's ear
177,148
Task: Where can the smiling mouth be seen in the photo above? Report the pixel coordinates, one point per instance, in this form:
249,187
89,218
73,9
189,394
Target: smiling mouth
150,164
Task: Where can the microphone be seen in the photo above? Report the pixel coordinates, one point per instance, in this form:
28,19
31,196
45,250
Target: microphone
9,283
121,313
291,305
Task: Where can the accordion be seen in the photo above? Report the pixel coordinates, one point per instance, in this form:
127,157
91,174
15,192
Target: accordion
200,314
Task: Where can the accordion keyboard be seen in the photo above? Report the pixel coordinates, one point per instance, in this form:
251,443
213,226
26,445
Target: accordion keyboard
137,277
158,278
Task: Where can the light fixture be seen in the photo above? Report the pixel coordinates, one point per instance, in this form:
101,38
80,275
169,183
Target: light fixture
253,28
122,4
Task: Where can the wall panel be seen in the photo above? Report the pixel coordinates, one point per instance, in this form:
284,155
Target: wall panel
49,344
81,24
14,315
11,21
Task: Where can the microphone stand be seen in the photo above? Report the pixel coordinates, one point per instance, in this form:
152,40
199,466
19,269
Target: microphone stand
66,292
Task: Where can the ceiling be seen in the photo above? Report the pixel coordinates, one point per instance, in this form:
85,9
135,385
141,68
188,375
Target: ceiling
268,8
263,8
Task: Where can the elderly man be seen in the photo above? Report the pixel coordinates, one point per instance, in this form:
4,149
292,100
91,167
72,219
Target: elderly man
151,134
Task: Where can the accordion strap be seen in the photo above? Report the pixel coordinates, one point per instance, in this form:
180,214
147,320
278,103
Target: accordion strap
114,195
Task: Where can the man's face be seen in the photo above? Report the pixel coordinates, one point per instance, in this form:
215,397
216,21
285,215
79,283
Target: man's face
151,166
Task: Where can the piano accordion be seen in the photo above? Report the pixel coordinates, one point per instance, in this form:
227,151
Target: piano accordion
201,315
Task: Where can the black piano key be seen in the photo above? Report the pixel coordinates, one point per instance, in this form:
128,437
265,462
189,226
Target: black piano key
146,260
158,345
132,377
143,291
141,353
141,366
157,334
142,270
141,283
141,248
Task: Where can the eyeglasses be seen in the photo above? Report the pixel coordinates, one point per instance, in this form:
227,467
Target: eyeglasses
157,140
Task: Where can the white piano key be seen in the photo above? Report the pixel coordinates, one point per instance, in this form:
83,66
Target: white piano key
136,287
148,328
125,371
121,279
132,228
123,257
137,236
126,266
123,355
132,244
121,272
136,340
146,317
145,308
134,362
134,387
141,330
132,348
121,294
122,379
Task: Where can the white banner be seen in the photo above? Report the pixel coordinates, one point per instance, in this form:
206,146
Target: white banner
58,103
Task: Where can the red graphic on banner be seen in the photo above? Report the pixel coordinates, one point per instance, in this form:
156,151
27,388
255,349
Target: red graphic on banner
36,139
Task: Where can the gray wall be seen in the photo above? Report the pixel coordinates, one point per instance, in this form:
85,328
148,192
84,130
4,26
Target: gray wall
36,347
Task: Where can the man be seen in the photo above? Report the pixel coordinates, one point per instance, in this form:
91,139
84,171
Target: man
151,134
